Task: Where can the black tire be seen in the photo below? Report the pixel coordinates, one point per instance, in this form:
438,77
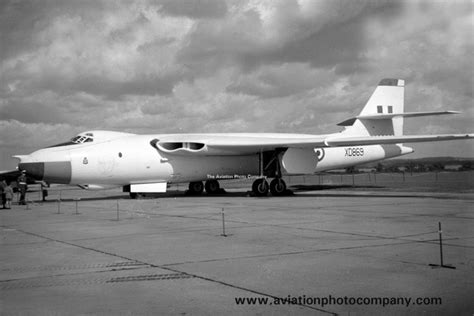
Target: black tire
277,187
212,186
133,195
196,187
260,187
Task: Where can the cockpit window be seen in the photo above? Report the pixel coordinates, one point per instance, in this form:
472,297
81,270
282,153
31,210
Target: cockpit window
82,139
79,139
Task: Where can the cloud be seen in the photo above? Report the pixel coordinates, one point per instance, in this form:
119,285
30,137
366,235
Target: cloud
115,55
31,112
26,137
281,80
194,9
321,33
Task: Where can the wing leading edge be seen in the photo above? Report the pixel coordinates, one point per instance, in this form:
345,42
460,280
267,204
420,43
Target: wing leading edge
242,145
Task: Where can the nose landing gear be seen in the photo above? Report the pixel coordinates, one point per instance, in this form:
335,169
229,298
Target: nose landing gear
212,187
196,188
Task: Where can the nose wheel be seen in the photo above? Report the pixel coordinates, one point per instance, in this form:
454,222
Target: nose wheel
212,187
196,188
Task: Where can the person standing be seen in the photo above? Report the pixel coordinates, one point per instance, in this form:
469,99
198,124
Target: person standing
22,187
3,185
44,191
8,196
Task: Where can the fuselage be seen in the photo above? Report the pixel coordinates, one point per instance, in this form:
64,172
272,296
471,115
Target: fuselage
120,159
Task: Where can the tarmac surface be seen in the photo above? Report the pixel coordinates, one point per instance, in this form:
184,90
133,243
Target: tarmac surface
169,255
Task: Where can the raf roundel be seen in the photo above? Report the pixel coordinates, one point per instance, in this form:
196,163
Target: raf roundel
319,153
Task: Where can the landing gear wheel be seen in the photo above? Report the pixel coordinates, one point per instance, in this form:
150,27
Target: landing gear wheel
277,187
212,187
260,187
136,195
196,187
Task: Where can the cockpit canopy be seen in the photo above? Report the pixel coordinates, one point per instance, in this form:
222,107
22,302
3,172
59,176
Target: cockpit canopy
91,136
83,138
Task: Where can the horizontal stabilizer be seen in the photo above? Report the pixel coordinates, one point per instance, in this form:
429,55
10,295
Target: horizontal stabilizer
351,121
380,140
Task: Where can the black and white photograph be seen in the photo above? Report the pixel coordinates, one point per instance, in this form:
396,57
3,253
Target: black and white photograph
237,157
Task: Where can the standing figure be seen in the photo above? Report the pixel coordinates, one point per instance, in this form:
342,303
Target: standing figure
3,185
44,191
8,196
22,187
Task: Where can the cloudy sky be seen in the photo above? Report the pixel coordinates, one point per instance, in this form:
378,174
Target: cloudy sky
227,66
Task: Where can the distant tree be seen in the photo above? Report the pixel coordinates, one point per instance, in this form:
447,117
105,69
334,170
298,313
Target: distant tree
351,169
380,167
393,169
419,167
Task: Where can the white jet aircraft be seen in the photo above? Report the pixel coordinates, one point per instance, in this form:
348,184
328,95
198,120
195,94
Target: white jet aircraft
149,163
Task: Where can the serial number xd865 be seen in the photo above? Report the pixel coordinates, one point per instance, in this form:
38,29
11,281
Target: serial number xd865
354,152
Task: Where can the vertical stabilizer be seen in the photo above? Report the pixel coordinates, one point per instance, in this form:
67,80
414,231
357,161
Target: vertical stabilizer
388,98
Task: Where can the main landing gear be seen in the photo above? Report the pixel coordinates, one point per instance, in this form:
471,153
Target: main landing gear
211,186
277,187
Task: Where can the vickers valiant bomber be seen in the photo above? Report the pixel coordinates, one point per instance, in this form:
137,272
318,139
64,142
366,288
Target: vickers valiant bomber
149,163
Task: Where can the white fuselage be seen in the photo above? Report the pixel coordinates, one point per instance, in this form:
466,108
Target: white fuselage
132,160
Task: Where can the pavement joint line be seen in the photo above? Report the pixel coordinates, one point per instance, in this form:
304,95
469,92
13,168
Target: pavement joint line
65,274
250,224
331,208
384,194
48,281
372,236
289,253
173,270
76,267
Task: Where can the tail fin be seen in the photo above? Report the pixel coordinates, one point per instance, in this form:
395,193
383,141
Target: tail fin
387,99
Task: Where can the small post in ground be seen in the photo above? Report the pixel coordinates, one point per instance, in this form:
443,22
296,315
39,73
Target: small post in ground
223,224
441,265
118,209
77,201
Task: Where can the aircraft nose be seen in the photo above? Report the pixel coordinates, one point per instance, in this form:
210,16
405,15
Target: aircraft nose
51,171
